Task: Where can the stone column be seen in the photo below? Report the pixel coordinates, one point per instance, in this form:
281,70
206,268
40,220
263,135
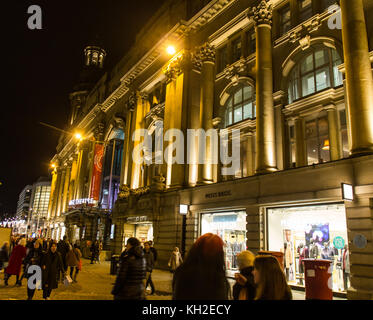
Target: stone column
358,76
60,191
250,154
265,122
300,142
124,176
207,56
82,170
177,72
334,137
52,193
66,188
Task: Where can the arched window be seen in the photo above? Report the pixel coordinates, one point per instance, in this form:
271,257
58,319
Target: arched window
315,72
240,105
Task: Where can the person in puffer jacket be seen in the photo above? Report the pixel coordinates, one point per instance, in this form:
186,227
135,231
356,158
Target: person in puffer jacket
129,284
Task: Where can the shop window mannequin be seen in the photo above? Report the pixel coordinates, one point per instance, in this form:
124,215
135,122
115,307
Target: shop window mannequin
346,267
314,250
303,254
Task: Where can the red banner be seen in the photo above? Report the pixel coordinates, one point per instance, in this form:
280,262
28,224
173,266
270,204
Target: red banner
97,171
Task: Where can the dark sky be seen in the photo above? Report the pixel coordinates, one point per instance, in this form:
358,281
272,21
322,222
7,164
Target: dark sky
41,68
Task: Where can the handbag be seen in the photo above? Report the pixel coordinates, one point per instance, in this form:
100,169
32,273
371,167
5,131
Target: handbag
67,281
243,294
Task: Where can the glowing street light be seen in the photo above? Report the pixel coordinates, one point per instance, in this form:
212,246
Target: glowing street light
171,50
78,136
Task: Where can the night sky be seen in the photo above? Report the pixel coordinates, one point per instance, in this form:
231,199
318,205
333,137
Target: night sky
41,68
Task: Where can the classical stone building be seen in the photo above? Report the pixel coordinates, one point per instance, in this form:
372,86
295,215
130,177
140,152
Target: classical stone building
294,76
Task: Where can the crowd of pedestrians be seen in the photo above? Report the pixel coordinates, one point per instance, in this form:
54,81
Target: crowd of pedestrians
51,256
202,274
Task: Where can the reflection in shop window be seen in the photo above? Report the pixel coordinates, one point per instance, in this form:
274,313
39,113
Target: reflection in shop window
317,140
318,232
231,227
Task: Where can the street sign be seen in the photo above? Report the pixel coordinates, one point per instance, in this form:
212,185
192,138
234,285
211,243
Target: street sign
339,242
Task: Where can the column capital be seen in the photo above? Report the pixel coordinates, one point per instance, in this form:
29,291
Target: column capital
175,67
99,131
330,107
262,14
206,53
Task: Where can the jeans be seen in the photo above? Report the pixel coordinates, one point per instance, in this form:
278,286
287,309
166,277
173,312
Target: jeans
72,270
47,292
346,278
149,281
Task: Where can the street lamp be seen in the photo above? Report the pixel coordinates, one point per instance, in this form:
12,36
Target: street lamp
171,50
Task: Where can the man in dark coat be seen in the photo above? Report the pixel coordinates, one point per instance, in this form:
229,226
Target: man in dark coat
95,251
153,250
63,248
129,284
149,257
34,257
52,265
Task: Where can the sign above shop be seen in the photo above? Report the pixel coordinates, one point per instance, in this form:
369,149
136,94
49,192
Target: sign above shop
137,219
347,192
76,203
183,209
218,194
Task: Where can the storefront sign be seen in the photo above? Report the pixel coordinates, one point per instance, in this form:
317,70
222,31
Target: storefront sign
218,194
137,219
76,203
97,171
339,242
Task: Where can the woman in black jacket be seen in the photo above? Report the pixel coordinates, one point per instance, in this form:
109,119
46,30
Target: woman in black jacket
4,255
129,284
33,258
244,288
202,275
52,265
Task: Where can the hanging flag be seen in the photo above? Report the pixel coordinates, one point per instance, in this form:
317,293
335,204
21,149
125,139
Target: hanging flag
97,171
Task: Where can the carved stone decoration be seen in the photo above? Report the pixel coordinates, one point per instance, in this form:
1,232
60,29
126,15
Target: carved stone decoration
206,53
131,103
99,131
234,72
196,62
305,42
158,183
175,68
262,14
124,192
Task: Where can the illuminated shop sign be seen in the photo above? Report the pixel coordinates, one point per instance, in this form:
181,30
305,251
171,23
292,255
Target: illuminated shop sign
80,202
137,219
218,194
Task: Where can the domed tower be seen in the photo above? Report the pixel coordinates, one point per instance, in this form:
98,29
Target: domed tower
93,68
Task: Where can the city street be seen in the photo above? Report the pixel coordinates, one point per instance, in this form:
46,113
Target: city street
94,283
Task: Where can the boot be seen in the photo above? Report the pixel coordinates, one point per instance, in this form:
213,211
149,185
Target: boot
74,279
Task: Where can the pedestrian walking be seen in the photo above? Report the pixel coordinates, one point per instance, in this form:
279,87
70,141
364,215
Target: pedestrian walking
4,255
72,261
175,260
79,255
52,265
202,275
244,288
63,249
149,257
270,279
154,251
129,284
95,251
34,257
15,261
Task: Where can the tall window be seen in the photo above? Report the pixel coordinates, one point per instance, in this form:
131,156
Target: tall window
344,135
305,9
251,41
240,105
236,49
315,72
285,22
223,58
317,140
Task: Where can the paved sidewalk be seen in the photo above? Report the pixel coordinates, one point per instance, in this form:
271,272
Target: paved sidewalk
95,283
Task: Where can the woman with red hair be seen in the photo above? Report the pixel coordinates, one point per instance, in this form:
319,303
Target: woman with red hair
202,275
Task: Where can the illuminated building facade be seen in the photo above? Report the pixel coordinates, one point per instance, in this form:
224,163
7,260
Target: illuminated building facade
293,77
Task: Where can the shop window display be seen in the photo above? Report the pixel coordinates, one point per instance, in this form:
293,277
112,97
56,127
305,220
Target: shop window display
231,227
316,232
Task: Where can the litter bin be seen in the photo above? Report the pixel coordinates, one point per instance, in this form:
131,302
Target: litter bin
318,279
277,254
114,264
